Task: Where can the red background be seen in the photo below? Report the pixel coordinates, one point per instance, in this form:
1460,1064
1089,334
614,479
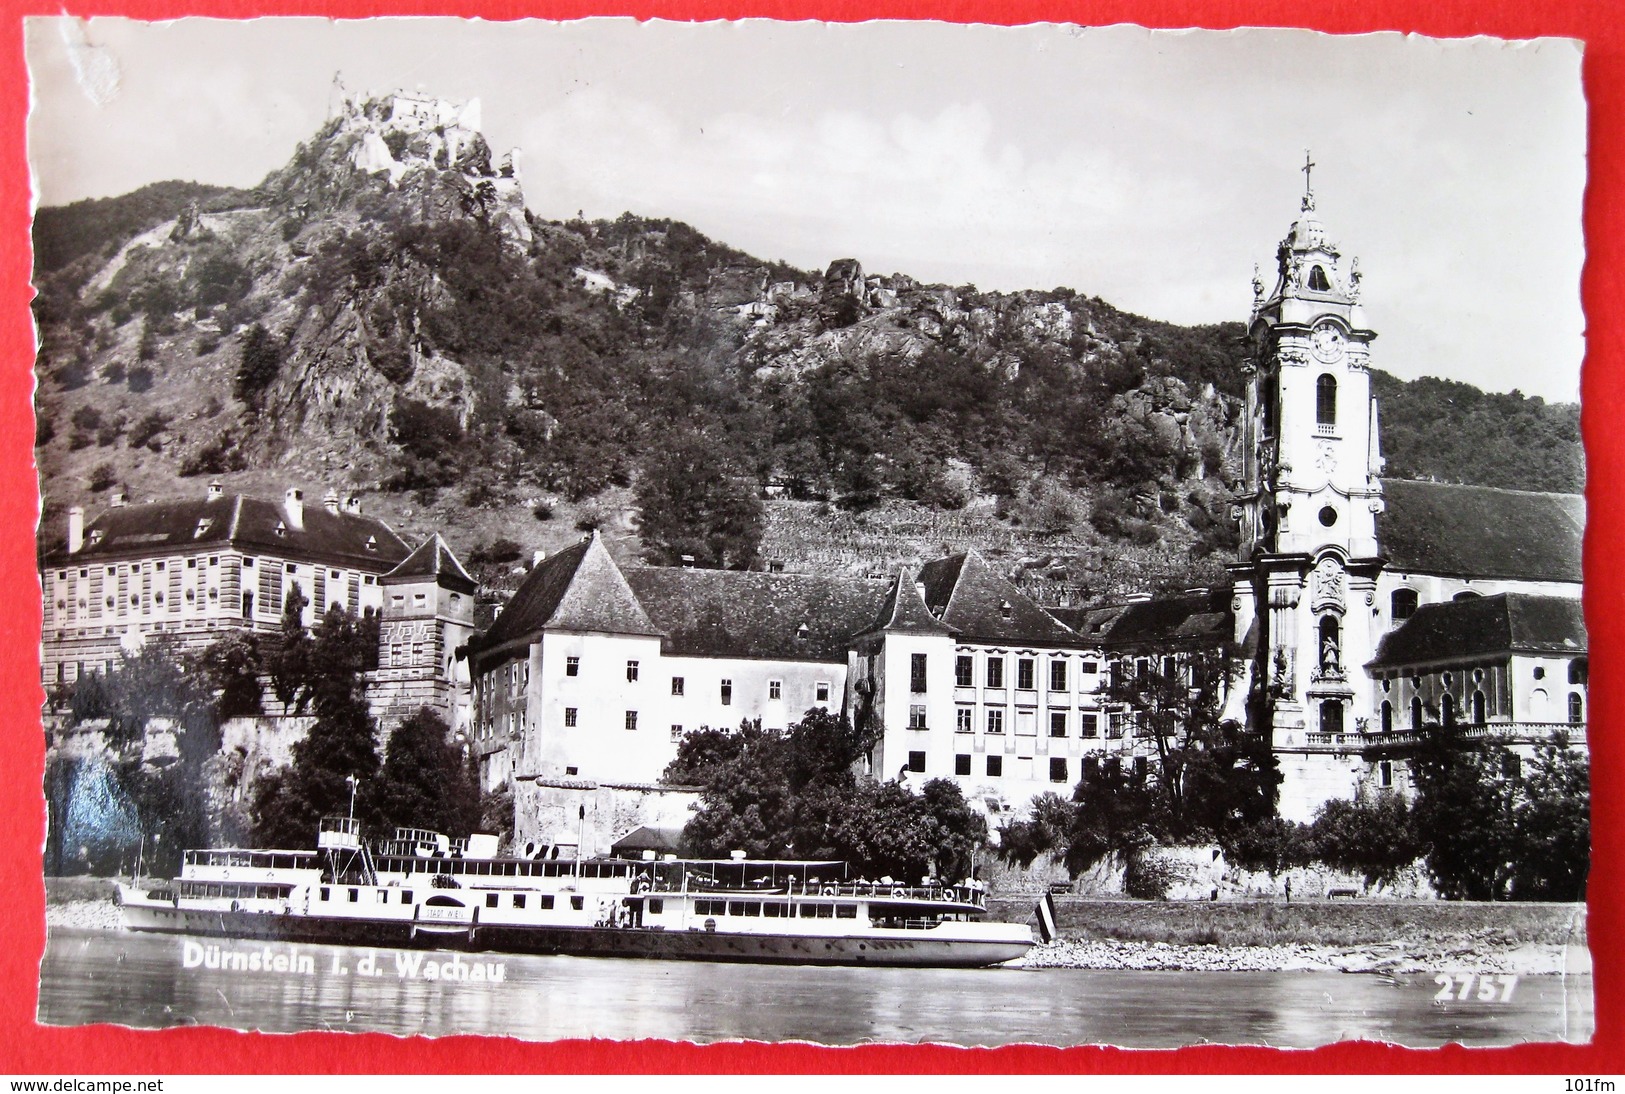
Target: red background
28,1048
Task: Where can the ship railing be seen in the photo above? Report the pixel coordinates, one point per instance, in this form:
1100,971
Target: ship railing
957,894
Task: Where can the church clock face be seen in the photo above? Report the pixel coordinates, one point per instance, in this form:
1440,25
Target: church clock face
1326,342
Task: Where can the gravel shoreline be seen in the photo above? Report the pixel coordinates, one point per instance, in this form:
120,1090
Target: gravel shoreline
1397,958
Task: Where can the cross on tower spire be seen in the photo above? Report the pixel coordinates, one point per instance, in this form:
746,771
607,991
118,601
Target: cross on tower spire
1308,186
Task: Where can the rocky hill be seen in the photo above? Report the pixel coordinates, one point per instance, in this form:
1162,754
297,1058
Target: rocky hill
384,316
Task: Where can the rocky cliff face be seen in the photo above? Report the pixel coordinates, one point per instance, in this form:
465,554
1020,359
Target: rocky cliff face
382,315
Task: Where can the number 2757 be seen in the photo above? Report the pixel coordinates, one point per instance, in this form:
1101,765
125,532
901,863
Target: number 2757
1480,989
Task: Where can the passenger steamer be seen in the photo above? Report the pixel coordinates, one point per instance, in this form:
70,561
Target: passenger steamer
421,893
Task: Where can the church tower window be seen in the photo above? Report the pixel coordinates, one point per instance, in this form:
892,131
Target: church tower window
1326,400
1318,281
1331,716
1577,709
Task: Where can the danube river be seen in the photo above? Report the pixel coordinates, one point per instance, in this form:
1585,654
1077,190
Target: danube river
155,981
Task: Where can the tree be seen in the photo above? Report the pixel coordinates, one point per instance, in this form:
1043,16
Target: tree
231,664
259,363
1373,835
1212,776
424,782
695,501
1554,825
290,664
796,794
1465,810
340,745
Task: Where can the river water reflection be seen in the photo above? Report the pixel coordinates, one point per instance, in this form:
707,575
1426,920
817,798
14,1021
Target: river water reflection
156,981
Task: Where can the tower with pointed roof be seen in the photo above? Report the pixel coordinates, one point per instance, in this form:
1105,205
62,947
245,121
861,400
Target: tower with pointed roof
428,613
1310,495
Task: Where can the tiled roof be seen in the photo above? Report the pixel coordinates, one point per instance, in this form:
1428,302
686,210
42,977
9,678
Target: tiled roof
1195,617
163,527
1090,623
433,559
1485,626
1481,531
979,605
904,610
728,613
578,589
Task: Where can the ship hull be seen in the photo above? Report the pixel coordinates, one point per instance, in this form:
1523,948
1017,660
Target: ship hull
900,948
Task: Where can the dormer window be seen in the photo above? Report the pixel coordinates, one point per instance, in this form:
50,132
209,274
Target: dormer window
802,631
95,537
1006,609
372,543
281,529
1317,279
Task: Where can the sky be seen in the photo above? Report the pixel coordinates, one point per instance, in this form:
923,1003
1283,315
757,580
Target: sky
1151,169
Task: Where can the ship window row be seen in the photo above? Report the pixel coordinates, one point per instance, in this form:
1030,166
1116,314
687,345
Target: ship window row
773,909
504,868
260,860
544,901
234,890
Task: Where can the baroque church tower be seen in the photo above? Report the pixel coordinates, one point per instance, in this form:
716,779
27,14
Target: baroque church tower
1305,583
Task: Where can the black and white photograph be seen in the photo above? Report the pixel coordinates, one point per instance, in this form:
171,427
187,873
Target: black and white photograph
889,532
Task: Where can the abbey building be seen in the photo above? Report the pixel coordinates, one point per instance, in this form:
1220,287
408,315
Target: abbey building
1368,608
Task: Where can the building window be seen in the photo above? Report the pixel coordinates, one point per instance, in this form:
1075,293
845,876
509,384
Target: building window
962,720
572,666
676,733
677,685
1326,400
963,672
1057,675
995,721
1387,716
1385,774
1089,668
631,672
1478,708
823,691
775,689
1024,674
995,672
1447,711
962,765
1402,604
1579,671
916,673
1577,709
631,719
569,716
1088,725
1416,712
1057,770
1540,672
1115,726
995,766
1331,716
916,716
727,693
1511,765
1057,723
916,762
